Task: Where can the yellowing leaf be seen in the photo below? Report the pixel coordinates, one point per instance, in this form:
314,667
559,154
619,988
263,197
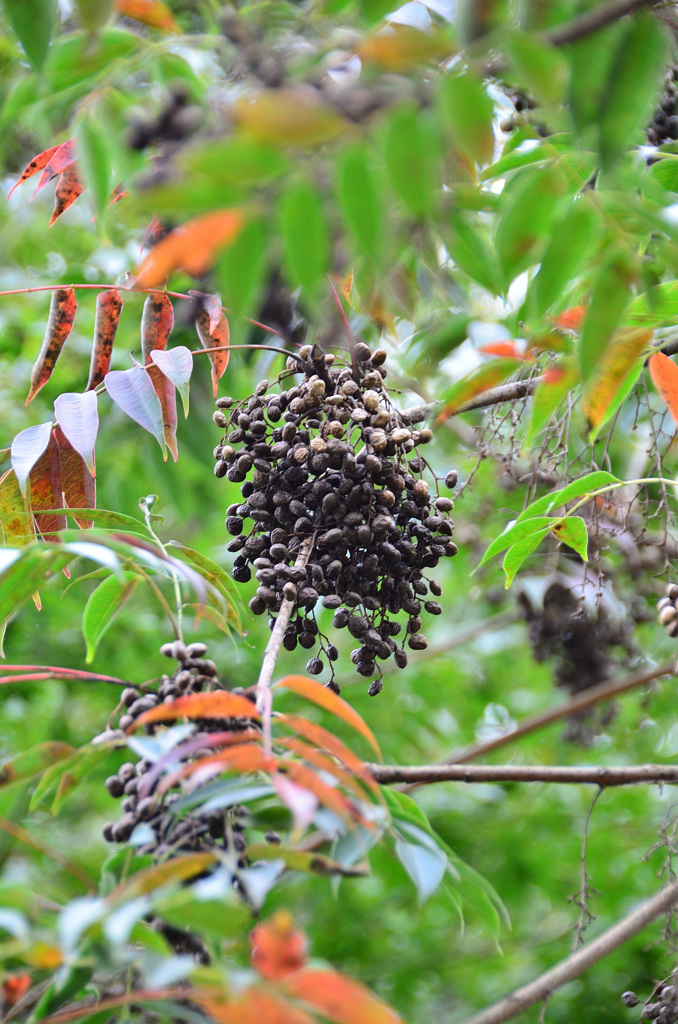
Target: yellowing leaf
474,383
624,349
288,117
399,47
193,247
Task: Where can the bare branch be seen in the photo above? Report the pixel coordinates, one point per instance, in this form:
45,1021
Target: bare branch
587,699
598,775
578,962
493,396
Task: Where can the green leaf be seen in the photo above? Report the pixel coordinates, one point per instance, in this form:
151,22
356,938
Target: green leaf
655,307
410,151
571,242
103,518
590,61
215,575
300,860
305,237
532,151
609,297
359,198
240,269
33,21
594,481
665,171
466,111
94,160
33,761
403,806
632,86
527,212
517,531
518,552
539,67
103,605
467,248
546,400
425,866
573,532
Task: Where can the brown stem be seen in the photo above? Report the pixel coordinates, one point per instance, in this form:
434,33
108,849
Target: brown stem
598,775
263,688
578,962
494,396
604,691
592,21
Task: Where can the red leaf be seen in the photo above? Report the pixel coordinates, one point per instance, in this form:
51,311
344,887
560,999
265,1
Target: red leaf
152,234
107,318
321,695
323,762
157,321
246,757
213,331
167,397
78,418
15,986
252,1005
664,373
278,949
69,187
192,246
328,741
27,447
118,193
16,523
33,166
62,310
45,490
133,391
79,485
177,365
330,797
148,12
340,998
218,704
571,319
59,160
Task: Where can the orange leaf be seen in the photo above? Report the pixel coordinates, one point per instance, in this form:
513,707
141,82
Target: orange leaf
69,187
157,321
252,1005
192,246
624,349
217,704
148,12
14,987
246,757
325,698
118,193
340,998
503,348
571,319
62,310
107,318
291,116
214,335
323,762
79,485
330,797
664,373
278,948
399,47
33,166
45,489
328,741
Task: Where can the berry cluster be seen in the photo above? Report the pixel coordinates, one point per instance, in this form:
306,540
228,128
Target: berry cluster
664,127
339,508
662,1006
667,609
172,833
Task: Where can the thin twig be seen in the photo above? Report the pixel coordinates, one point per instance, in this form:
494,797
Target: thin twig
598,775
493,396
578,962
263,688
587,699
23,836
586,892
592,21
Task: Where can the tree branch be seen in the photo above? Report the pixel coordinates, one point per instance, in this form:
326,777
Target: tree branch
598,775
587,699
592,21
578,962
494,396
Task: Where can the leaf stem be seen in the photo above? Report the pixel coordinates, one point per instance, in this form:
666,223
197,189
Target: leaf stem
146,504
